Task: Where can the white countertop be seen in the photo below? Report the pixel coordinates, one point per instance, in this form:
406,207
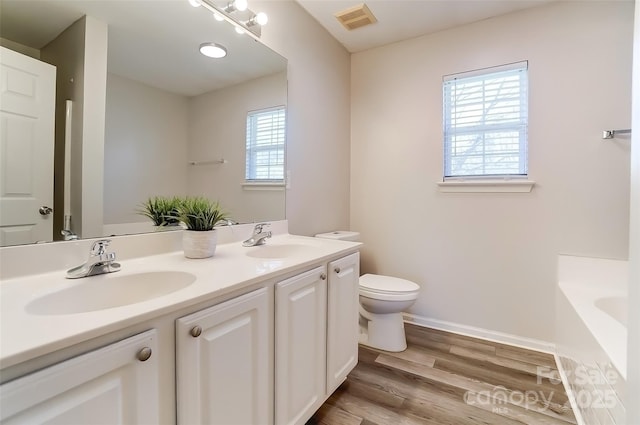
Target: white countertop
25,336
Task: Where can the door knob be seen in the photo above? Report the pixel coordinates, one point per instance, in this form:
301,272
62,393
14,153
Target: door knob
44,210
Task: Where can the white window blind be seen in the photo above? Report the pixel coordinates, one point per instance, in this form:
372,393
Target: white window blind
485,122
265,145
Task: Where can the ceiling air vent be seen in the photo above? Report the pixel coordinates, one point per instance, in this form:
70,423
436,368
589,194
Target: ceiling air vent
356,17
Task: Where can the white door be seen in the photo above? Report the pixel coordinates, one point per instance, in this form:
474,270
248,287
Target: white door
117,384
300,328
27,114
223,364
342,319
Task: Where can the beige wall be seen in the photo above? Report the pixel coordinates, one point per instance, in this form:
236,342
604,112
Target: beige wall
20,48
489,260
318,120
145,152
218,129
66,53
95,93
81,77
633,372
152,135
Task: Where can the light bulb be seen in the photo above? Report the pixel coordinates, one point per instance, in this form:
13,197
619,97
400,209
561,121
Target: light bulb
218,17
261,18
241,5
239,30
194,3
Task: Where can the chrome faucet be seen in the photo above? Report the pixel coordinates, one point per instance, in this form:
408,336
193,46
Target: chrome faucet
68,235
258,236
100,261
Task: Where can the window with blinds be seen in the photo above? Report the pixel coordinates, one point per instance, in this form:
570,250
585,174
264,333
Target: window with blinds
265,145
485,122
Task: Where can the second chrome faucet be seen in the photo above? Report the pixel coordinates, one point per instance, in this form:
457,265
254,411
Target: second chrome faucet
258,236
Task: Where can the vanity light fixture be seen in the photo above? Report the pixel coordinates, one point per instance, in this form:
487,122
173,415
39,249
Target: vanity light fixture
213,50
239,5
237,13
195,3
259,19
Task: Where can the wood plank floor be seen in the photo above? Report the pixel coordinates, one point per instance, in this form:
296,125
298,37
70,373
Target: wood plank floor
444,378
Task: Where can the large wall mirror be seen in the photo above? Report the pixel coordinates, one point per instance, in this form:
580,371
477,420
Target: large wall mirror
149,115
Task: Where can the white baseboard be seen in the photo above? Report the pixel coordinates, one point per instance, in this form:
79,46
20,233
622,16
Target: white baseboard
501,337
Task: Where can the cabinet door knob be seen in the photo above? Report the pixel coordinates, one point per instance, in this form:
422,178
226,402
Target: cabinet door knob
196,331
337,270
144,354
323,276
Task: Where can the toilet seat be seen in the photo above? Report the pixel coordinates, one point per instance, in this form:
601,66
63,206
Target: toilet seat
387,288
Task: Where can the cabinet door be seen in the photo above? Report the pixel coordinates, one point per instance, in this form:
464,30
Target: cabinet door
117,384
300,329
223,363
342,319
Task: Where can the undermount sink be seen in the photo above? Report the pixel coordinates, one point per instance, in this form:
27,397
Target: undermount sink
109,290
276,251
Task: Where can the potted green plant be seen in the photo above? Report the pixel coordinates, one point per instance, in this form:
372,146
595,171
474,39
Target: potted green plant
200,215
163,211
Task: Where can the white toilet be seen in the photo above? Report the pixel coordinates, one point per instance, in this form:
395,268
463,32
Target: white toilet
382,301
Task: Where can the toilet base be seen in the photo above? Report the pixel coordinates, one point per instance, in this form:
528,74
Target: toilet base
383,332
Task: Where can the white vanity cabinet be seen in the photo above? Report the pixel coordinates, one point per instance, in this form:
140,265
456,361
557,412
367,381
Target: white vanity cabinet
300,329
223,363
116,384
268,351
342,319
316,337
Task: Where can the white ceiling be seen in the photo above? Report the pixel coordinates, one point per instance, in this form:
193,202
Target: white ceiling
158,45
403,19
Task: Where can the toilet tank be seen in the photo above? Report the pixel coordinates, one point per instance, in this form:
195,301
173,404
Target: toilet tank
343,235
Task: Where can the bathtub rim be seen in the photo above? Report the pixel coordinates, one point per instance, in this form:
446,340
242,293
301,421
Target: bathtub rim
610,334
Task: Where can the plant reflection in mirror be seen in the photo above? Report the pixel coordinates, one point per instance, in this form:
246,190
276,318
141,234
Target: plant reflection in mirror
163,211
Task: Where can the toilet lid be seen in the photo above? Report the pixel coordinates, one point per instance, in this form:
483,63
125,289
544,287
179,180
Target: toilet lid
382,284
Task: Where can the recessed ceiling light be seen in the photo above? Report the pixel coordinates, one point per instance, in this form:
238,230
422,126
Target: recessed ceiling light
213,50
194,3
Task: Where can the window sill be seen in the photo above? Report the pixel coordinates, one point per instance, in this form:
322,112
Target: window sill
263,186
486,186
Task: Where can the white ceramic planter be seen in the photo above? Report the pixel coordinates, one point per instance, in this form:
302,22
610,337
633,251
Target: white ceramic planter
199,244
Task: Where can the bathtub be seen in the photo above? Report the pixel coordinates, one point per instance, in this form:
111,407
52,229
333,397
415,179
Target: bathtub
591,336
616,307
597,290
